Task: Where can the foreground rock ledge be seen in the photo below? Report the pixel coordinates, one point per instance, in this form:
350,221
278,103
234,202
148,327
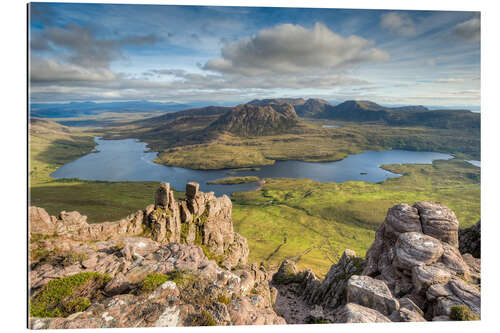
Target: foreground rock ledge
414,270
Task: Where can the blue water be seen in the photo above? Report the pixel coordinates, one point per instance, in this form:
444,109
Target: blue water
127,160
475,163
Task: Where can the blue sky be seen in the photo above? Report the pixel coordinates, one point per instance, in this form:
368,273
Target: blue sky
103,52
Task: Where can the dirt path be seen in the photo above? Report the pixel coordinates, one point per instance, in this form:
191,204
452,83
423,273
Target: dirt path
290,305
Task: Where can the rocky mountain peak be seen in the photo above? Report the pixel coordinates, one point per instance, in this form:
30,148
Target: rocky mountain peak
249,120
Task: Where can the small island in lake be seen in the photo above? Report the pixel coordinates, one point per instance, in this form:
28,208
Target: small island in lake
234,180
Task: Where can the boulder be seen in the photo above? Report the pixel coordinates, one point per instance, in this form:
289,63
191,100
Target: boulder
406,315
287,273
69,223
354,313
371,293
162,195
192,189
40,222
401,219
438,221
414,248
424,276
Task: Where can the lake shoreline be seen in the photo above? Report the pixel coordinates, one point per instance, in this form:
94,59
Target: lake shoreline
128,160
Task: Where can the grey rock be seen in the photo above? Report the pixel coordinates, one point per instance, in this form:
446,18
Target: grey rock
438,221
162,195
406,315
192,190
330,293
424,276
413,249
401,219
40,221
374,294
354,313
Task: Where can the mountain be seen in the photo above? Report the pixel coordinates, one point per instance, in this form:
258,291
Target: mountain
249,120
356,111
304,108
209,111
313,107
367,111
83,109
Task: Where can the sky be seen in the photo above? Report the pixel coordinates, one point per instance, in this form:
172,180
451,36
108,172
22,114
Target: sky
223,55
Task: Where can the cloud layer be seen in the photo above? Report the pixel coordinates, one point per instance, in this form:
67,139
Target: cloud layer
80,45
469,30
188,53
398,23
289,48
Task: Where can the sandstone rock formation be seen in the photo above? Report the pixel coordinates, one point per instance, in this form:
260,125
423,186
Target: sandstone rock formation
201,219
201,292
190,243
413,271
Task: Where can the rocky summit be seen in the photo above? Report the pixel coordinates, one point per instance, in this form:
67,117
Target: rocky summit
180,263
414,271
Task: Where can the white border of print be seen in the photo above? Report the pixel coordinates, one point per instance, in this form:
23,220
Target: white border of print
14,136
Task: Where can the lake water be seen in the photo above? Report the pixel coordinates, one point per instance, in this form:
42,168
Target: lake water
475,163
127,160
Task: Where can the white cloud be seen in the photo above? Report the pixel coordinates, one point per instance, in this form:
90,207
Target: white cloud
50,70
289,48
398,23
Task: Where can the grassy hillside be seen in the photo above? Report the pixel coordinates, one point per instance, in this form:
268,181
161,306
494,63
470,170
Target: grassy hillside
315,144
52,145
326,218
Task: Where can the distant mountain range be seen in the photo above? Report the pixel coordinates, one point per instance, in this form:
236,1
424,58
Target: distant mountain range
84,109
367,111
261,117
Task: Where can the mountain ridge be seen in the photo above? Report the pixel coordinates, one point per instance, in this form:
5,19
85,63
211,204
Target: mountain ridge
249,120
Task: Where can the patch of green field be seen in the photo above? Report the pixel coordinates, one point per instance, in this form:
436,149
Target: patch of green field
52,145
235,180
309,142
100,201
230,172
329,217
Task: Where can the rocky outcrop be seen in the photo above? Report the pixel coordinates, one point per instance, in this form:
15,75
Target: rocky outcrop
197,290
41,222
374,294
469,240
413,271
200,219
355,313
425,266
331,292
